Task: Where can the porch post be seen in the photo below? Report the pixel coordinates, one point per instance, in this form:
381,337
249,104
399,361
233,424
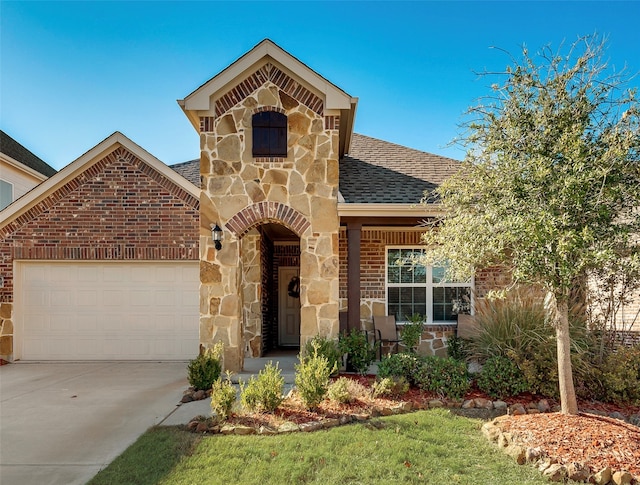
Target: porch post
353,274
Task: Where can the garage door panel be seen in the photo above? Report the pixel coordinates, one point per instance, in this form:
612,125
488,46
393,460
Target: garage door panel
107,310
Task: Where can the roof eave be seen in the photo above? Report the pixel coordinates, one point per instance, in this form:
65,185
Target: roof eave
389,210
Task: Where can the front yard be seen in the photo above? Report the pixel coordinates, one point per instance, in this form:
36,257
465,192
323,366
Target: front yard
431,446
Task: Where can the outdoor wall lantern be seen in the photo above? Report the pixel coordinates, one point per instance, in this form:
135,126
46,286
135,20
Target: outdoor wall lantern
216,234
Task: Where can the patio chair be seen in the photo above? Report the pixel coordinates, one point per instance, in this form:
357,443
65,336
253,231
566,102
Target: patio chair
373,337
388,331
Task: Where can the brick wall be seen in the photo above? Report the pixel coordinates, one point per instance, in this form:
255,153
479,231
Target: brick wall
120,208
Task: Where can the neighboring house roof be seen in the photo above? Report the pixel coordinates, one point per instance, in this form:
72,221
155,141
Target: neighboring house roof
189,170
379,172
20,154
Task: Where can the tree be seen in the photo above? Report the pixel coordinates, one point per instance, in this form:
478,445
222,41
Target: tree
550,186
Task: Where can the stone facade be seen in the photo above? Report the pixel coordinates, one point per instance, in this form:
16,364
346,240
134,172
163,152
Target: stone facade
240,193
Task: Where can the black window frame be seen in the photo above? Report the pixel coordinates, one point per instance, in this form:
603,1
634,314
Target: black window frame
269,134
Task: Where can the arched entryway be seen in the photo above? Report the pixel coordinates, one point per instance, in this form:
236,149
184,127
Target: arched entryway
271,290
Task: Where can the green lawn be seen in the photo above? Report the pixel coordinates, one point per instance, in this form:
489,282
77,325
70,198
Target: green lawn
432,447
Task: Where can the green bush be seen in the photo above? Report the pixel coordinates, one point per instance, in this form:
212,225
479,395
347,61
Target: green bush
360,354
205,369
398,365
312,379
223,397
264,392
326,347
345,390
458,348
389,386
501,377
621,375
411,332
444,376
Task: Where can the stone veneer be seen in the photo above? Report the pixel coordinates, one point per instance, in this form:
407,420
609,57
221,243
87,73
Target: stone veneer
240,192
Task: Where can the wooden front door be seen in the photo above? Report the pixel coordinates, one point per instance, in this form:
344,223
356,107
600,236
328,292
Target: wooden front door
288,309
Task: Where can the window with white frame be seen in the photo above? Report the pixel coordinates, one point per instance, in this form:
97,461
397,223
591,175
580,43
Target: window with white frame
414,288
6,194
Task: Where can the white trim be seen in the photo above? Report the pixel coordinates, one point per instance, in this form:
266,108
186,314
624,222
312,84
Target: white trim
428,284
21,166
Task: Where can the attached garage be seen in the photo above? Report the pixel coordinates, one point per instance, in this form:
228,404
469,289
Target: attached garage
106,310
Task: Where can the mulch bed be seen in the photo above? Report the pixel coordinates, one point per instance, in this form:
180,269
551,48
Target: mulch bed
596,441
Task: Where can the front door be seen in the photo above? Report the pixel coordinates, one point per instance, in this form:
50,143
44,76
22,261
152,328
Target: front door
288,308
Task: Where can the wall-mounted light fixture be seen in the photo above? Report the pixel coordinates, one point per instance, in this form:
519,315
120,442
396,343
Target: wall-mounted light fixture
216,234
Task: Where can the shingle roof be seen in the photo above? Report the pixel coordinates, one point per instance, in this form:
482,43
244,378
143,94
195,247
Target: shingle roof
189,170
15,150
377,171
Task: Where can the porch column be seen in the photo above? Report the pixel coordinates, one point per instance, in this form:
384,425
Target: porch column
353,274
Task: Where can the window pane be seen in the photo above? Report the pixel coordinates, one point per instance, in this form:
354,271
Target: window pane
420,274
406,274
6,194
446,298
393,274
393,256
437,274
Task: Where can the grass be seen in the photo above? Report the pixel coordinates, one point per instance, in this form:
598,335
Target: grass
427,447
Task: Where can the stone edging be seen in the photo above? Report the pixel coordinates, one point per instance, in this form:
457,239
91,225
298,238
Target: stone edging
548,465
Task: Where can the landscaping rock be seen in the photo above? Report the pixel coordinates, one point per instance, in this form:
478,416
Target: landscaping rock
635,419
436,403
577,472
622,478
603,476
202,427
288,427
313,426
518,453
483,403
504,440
500,406
244,430
186,398
543,406
345,420
192,425
227,429
555,473
533,455
617,415
199,395
517,409
266,430
491,431
468,404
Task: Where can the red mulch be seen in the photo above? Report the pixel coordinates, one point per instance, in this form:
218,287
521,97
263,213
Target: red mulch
593,440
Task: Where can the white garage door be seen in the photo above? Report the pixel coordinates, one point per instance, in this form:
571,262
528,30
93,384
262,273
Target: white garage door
106,310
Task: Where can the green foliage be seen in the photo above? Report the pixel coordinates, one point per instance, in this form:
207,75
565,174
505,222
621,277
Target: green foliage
458,348
621,375
444,376
223,397
312,379
389,386
398,365
500,377
328,348
411,332
345,390
360,353
264,392
205,369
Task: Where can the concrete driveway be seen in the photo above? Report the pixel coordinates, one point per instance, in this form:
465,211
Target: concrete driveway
60,423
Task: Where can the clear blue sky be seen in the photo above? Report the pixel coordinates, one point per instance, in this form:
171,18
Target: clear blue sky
72,73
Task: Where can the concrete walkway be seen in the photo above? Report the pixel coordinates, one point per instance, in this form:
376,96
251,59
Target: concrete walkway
61,423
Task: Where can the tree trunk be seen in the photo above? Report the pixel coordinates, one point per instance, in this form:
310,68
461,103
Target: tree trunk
568,402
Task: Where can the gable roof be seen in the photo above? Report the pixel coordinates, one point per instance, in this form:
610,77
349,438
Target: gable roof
82,164
380,172
237,79
20,154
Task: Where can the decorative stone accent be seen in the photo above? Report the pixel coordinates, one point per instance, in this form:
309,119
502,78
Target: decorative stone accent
241,193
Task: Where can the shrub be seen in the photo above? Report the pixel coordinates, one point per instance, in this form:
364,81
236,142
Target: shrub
205,369
411,332
345,390
223,397
326,347
444,376
360,354
398,365
264,392
389,386
621,375
312,379
501,377
458,348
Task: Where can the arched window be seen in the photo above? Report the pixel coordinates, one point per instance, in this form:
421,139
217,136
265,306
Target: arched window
269,134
